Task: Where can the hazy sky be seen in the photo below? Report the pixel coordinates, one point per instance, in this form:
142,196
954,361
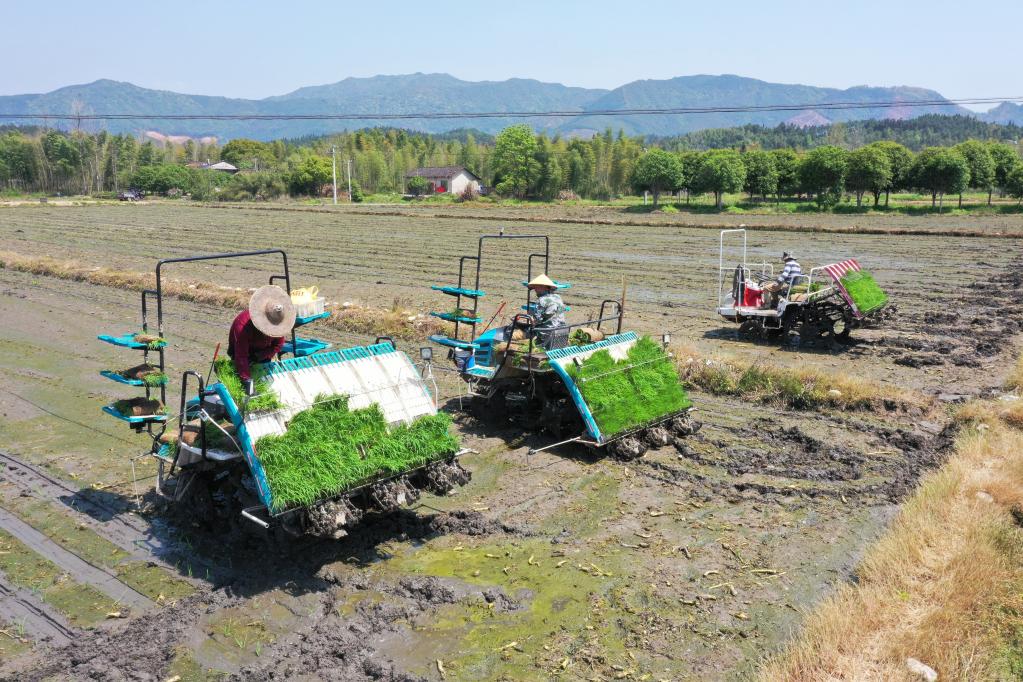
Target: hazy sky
259,48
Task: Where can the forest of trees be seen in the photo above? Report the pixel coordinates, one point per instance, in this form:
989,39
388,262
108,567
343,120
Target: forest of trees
872,158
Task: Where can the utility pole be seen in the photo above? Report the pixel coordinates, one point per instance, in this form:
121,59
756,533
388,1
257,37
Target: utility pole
349,179
333,169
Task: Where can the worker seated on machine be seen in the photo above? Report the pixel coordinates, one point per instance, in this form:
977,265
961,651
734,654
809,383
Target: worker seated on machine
257,334
772,290
550,313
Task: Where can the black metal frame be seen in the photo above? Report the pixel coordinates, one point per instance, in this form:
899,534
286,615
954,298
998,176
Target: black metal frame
616,305
157,293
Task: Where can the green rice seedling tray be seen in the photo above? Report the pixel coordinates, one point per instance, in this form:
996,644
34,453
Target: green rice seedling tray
864,291
389,402
114,376
620,384
128,341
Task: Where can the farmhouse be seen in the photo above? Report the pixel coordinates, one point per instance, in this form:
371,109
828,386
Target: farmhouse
221,166
453,179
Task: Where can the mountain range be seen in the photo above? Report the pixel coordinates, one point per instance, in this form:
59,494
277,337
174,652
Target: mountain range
442,93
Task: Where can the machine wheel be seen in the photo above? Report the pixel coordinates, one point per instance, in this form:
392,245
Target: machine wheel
657,436
491,409
560,419
684,425
627,449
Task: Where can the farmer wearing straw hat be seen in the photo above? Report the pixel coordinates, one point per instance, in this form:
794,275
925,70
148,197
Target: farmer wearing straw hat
550,309
257,334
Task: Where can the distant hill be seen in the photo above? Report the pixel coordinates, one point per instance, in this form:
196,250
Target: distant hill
1006,112
418,93
730,91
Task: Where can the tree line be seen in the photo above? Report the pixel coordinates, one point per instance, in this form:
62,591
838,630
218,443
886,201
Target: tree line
516,163
827,172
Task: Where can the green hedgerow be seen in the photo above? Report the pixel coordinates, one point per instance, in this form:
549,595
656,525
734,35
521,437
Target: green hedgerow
864,291
624,394
328,449
264,398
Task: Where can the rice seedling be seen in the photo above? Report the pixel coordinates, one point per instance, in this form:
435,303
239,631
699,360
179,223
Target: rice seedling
329,448
148,374
864,291
627,393
154,379
152,341
263,398
139,407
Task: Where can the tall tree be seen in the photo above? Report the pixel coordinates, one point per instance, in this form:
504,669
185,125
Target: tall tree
515,160
657,171
786,162
900,159
1006,159
1014,182
761,173
822,171
868,170
940,171
720,171
982,166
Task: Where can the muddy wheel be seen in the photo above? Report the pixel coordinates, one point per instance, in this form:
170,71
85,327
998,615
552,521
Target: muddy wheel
842,328
657,436
627,449
684,425
330,519
560,419
491,410
749,330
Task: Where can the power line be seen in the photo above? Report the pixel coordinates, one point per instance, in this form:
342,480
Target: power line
819,106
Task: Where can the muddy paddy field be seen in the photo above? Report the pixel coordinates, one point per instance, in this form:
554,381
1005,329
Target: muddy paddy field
694,562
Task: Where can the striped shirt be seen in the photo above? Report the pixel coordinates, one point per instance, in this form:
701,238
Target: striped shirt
790,272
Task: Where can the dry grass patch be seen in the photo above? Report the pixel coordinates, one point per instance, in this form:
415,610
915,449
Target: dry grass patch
943,586
801,389
396,321
1014,381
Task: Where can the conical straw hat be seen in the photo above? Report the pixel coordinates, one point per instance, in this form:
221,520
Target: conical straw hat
272,311
543,281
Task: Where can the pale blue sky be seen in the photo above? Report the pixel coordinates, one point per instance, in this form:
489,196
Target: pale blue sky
260,48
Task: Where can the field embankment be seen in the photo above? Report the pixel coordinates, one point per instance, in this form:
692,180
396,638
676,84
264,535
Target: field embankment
943,588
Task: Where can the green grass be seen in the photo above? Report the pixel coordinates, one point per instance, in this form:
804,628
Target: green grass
329,449
264,398
624,394
864,291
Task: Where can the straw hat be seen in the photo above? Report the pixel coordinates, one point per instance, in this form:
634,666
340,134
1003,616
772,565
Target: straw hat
542,281
272,311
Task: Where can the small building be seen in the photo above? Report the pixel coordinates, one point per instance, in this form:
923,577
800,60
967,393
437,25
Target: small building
452,179
221,166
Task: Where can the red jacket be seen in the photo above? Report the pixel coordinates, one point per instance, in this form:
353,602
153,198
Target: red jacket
246,345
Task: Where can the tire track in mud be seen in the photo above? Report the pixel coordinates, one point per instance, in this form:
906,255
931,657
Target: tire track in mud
80,570
22,608
145,541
